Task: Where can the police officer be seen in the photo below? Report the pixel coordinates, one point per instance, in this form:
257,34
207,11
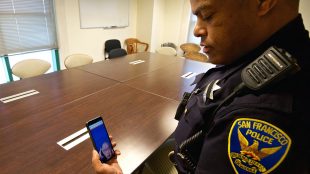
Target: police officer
222,131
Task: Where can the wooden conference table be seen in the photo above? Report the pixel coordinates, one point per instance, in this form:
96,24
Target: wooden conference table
137,103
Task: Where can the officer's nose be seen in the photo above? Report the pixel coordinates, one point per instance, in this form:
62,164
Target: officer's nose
200,29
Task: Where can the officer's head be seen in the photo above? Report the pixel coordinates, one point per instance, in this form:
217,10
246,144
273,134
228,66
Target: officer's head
231,28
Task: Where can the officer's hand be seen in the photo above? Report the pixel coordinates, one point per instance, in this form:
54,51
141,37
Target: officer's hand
111,167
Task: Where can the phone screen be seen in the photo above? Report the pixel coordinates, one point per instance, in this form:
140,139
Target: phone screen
100,139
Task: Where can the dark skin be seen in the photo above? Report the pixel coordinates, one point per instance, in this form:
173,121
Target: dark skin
231,28
228,29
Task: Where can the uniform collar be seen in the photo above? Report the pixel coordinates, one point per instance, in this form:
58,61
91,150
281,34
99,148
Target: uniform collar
290,38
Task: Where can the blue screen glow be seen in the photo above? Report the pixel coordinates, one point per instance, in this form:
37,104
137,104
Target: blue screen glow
101,140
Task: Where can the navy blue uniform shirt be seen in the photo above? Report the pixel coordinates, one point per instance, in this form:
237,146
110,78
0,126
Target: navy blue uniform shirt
257,132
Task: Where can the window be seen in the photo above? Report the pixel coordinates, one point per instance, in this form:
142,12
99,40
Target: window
26,25
191,38
3,78
27,30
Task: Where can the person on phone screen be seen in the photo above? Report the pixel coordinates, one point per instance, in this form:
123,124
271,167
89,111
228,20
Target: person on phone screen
255,132
105,151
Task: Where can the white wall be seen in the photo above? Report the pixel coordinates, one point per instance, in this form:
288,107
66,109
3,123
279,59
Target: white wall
158,24
151,21
72,39
144,20
177,13
304,9
185,22
169,21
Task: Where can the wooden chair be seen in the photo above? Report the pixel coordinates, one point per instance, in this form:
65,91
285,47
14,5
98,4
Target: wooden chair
75,60
190,47
135,46
191,51
30,68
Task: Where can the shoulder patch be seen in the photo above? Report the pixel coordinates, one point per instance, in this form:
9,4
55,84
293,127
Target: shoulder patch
255,146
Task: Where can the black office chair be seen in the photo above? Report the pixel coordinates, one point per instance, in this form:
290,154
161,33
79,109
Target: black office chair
110,45
118,52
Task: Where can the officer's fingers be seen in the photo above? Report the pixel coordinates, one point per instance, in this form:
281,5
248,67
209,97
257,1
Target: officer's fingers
96,160
113,143
102,168
111,137
117,152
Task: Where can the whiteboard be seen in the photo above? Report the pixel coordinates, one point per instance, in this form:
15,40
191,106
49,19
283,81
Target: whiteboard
104,13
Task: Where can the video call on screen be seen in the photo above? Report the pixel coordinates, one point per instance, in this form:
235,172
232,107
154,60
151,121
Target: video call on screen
101,139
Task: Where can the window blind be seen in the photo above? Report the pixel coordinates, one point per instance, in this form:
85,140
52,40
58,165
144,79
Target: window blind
26,25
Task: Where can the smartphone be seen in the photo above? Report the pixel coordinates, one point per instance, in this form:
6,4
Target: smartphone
100,138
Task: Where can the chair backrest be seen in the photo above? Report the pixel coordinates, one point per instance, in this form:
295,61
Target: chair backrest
30,68
75,60
167,51
190,47
111,44
135,46
118,52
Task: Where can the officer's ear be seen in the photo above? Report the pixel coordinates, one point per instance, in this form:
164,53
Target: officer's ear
265,6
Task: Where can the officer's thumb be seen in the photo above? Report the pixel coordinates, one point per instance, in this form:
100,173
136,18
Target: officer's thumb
96,159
